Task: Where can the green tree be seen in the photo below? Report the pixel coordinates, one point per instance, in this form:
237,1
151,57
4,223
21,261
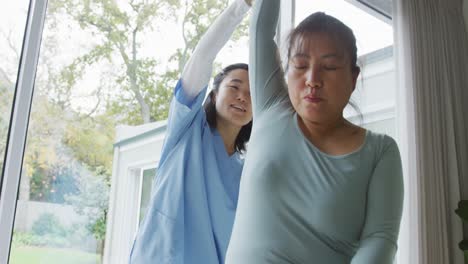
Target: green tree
46,158
6,88
90,140
92,202
120,31
144,87
10,57
137,90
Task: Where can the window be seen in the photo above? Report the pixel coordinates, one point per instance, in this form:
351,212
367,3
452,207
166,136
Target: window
13,16
102,78
371,32
102,92
147,178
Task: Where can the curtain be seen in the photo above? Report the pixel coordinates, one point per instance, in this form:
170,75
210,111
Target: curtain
431,47
465,11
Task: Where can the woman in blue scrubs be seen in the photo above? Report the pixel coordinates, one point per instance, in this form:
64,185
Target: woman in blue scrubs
194,196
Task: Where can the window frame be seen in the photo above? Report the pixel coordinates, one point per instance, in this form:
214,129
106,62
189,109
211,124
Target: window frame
22,101
16,140
140,188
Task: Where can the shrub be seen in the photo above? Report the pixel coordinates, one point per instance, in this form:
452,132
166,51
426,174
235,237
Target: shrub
48,224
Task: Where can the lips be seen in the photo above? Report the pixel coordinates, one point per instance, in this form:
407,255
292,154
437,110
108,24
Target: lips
239,108
313,99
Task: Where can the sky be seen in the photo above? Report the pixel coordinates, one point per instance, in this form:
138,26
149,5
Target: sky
12,23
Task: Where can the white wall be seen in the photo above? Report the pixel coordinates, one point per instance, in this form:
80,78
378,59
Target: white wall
375,96
129,159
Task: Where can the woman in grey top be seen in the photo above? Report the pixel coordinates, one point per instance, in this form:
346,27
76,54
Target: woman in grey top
315,188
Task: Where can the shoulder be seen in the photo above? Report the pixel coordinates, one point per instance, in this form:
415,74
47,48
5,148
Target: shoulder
382,144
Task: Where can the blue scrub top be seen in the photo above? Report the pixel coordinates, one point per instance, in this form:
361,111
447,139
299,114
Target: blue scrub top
194,197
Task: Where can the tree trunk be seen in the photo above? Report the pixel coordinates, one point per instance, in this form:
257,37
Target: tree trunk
100,250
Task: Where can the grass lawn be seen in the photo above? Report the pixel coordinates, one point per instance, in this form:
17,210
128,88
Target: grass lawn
37,255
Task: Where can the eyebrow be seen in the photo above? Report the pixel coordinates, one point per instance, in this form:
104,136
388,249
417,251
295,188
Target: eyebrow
236,80
326,56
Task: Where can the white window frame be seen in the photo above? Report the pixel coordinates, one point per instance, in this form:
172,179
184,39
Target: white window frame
10,178
140,191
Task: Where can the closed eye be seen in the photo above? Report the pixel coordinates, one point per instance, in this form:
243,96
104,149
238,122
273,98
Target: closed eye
330,67
300,67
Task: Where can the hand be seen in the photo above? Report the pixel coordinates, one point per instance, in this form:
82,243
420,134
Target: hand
249,2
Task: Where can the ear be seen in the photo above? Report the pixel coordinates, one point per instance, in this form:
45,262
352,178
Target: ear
355,76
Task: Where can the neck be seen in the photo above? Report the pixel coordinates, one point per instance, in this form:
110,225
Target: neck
322,130
228,133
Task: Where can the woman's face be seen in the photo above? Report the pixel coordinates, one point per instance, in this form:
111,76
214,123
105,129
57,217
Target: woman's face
320,79
232,100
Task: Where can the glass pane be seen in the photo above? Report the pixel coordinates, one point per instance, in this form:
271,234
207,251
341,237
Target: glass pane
13,15
103,68
146,186
371,33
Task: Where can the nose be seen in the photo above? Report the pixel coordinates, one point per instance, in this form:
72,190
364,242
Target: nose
243,96
314,78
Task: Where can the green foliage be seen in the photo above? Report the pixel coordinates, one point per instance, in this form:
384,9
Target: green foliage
462,211
53,184
92,200
6,97
98,228
119,30
23,239
198,17
48,224
44,136
30,255
145,89
75,236
49,165
40,185
3,137
463,245
67,145
91,140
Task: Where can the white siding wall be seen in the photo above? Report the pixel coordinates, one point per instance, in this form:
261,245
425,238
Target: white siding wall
129,159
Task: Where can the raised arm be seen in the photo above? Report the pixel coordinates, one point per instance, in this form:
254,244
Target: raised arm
384,208
197,71
267,84
188,99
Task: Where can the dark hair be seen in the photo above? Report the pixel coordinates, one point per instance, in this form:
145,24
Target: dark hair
210,107
320,22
